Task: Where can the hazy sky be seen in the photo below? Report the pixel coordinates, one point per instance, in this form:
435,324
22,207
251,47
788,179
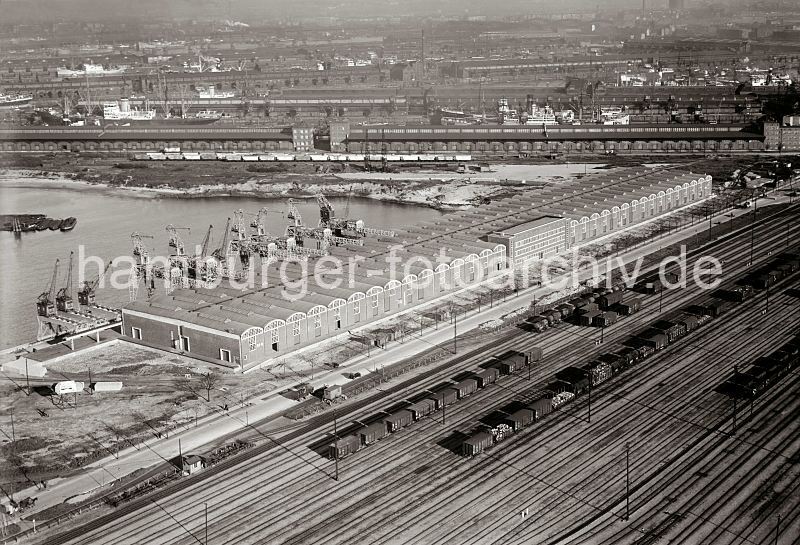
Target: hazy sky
78,10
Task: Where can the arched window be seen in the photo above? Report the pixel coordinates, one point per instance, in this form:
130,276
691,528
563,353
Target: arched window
315,315
355,304
374,294
272,333
441,276
253,339
424,281
294,321
336,307
408,286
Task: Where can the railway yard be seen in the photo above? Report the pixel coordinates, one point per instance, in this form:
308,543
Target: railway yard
398,273
694,475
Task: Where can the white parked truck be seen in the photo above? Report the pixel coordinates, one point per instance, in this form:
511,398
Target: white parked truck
67,387
106,386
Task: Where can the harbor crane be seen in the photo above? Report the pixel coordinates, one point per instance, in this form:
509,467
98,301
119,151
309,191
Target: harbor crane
239,224
340,226
46,303
64,301
224,250
86,295
260,216
175,240
297,219
202,267
206,242
140,270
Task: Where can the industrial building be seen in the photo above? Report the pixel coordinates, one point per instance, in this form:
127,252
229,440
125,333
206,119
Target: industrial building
288,307
782,137
540,238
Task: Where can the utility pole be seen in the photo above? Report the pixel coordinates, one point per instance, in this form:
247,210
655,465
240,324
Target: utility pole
753,227
444,406
661,298
28,378
13,433
180,455
336,449
206,504
589,373
627,482
455,332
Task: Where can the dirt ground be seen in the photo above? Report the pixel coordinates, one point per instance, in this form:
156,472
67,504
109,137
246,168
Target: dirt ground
55,436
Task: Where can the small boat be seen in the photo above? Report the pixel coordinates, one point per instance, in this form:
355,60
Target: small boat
53,224
40,225
68,224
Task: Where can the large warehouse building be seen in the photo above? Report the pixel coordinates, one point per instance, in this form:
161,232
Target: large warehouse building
290,307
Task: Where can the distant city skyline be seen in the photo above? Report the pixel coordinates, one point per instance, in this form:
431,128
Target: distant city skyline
94,10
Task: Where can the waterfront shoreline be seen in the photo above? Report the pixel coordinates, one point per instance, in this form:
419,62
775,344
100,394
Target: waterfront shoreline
437,192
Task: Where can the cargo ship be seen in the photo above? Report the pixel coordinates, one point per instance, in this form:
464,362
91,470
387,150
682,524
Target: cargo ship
90,70
211,92
14,101
121,111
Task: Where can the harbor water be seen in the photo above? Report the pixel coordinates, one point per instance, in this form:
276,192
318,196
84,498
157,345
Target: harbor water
106,220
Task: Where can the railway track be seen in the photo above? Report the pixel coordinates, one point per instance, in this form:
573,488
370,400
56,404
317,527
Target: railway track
260,507
395,389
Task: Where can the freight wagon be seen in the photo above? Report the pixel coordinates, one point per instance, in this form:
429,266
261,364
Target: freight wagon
606,301
521,418
737,295
567,310
631,306
538,323
477,443
673,330
466,387
444,398
654,339
398,420
561,399
344,447
422,408
372,433
542,407
605,319
598,371
553,316
487,376
577,379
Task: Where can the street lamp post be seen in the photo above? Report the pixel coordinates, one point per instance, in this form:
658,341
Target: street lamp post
336,447
627,482
13,433
455,332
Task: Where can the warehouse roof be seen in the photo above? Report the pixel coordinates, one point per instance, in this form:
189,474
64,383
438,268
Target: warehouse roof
459,235
527,226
